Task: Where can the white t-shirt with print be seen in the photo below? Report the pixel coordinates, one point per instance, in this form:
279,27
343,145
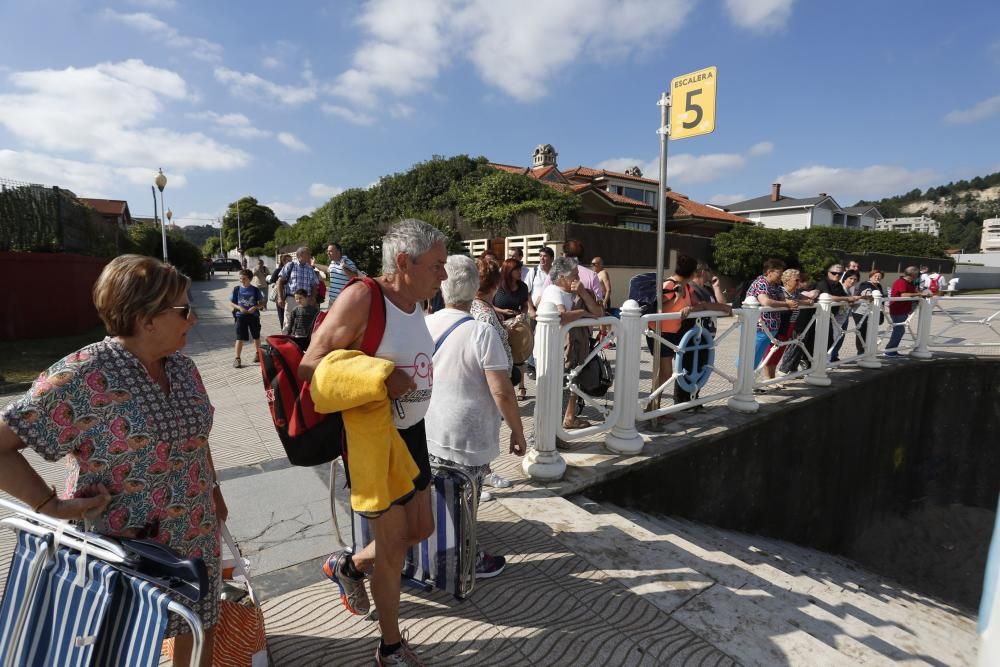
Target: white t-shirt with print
553,294
463,422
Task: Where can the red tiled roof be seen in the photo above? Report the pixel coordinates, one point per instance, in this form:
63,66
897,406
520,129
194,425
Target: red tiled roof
106,206
699,210
587,172
622,199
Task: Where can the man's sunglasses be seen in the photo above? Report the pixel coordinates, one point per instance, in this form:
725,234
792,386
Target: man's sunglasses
836,273
187,311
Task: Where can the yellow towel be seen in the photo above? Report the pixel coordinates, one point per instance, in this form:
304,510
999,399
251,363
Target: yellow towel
381,467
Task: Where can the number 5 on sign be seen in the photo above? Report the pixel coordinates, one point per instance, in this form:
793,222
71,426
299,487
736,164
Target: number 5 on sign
692,103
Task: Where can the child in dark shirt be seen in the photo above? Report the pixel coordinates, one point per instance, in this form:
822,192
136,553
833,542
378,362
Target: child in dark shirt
299,324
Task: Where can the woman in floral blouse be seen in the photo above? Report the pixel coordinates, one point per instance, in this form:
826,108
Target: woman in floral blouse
133,417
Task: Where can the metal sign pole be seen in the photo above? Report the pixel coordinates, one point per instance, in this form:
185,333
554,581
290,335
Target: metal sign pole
661,228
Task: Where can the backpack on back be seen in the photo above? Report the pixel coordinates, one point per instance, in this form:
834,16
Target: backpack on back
309,437
642,289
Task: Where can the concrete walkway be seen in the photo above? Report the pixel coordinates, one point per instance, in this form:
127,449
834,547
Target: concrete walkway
586,584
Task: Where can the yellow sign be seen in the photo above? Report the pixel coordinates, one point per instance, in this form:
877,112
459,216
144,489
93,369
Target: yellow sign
692,103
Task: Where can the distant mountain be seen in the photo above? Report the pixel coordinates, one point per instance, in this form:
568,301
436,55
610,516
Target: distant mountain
198,234
960,208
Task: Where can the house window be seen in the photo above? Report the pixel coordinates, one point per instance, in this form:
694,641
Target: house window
650,198
638,226
634,193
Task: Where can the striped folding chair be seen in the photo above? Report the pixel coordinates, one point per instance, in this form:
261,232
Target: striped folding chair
66,604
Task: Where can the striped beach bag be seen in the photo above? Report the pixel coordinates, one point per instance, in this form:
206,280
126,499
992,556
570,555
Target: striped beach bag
61,607
446,559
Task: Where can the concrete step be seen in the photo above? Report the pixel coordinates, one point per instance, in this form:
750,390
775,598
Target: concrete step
840,613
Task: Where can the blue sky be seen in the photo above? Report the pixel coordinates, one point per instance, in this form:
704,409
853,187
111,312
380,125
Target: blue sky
293,102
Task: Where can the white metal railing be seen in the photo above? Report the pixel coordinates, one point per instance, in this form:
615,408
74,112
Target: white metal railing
933,322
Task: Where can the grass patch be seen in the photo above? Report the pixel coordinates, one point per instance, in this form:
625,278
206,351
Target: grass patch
23,360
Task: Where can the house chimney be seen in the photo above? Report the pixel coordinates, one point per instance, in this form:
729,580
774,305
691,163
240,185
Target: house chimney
775,191
822,194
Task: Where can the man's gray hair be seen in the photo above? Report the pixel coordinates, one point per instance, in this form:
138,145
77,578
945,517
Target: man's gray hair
562,267
304,250
409,236
460,287
911,271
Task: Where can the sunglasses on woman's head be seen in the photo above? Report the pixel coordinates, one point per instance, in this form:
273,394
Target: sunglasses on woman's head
187,310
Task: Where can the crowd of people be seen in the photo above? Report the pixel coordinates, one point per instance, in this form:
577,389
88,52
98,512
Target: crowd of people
132,416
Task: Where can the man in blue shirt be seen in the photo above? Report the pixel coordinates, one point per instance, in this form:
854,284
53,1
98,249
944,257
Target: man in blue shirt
247,301
297,274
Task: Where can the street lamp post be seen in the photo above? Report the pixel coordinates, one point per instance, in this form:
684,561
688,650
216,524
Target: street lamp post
161,182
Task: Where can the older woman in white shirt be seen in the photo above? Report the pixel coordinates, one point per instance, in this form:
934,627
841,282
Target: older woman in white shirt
563,292
472,389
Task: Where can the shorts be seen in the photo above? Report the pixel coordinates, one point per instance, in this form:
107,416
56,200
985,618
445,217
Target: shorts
247,328
666,351
761,343
415,438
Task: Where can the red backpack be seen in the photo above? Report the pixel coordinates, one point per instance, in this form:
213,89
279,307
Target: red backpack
309,437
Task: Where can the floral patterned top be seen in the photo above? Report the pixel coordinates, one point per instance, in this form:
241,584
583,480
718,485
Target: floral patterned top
100,408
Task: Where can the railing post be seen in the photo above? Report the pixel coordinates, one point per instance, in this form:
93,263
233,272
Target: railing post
870,360
623,437
817,374
925,310
543,462
743,400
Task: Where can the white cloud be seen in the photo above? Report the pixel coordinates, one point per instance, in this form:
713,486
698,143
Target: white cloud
107,112
250,86
289,140
169,36
848,185
194,218
687,169
233,124
516,46
155,4
981,111
355,117
723,199
323,191
401,110
289,212
759,15
270,62
86,179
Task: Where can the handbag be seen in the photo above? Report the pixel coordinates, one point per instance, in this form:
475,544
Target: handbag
520,337
240,636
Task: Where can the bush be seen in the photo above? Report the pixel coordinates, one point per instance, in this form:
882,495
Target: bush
146,240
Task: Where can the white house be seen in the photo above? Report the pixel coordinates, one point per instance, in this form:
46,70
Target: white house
921,224
991,235
777,211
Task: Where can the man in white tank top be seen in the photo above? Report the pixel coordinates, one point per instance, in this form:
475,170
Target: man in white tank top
413,259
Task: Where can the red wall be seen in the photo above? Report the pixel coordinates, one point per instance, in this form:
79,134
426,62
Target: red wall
47,294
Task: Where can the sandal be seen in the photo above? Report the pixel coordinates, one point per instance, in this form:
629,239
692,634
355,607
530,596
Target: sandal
522,393
576,422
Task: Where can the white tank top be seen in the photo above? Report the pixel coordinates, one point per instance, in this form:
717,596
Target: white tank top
409,345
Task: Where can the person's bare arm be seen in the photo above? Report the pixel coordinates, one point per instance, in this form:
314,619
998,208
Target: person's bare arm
503,395
20,480
342,329
280,296
590,304
606,285
768,302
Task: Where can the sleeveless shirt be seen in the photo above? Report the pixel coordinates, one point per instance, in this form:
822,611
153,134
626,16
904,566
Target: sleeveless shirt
408,344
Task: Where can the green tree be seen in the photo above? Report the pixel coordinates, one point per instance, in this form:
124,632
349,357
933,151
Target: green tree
257,224
147,240
494,202
210,248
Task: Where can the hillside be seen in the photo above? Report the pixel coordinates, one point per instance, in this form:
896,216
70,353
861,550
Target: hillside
960,207
198,234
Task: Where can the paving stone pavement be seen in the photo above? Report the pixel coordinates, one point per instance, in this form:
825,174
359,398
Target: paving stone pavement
585,584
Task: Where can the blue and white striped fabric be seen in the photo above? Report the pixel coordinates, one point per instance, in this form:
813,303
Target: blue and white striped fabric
72,611
136,622
447,557
63,609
